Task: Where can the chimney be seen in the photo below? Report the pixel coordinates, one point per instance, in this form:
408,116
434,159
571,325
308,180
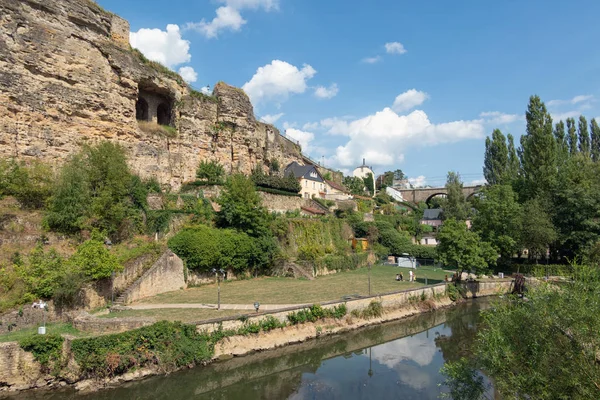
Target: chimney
363,161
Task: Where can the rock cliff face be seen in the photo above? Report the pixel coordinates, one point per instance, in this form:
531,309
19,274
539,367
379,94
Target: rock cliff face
69,77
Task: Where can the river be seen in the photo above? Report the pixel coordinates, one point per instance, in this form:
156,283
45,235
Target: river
390,361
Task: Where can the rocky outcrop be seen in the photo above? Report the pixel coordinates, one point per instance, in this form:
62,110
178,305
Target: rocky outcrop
68,77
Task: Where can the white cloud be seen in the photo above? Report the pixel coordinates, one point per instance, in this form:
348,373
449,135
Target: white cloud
271,119
372,60
267,5
228,18
582,98
409,99
419,181
385,135
188,74
277,80
166,47
301,136
311,126
561,116
477,182
395,48
323,92
287,125
497,117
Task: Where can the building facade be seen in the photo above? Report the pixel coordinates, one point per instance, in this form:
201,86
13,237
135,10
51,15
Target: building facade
363,171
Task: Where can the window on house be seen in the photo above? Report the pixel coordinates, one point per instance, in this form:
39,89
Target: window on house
306,195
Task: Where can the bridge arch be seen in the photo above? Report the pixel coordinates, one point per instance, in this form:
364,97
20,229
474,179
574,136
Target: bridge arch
444,194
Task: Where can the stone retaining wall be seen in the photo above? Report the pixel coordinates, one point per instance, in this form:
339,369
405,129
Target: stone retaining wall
166,275
18,369
388,301
90,324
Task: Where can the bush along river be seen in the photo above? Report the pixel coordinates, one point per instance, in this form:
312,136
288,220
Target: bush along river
400,359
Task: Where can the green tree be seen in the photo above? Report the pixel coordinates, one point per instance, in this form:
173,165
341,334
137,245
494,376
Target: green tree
369,183
94,260
355,185
545,348
460,248
42,271
498,219
241,207
595,145
96,189
456,205
68,208
30,184
538,150
513,159
537,229
562,147
385,180
211,172
576,205
572,136
495,164
584,137
399,175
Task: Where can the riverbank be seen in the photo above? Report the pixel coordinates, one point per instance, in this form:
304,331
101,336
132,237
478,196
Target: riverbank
19,371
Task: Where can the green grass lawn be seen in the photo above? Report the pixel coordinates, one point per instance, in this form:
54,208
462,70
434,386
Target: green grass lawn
177,314
272,290
54,328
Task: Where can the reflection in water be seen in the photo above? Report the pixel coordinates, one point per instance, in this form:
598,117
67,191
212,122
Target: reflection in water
395,360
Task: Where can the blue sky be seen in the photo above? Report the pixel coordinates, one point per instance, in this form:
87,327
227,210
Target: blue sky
413,85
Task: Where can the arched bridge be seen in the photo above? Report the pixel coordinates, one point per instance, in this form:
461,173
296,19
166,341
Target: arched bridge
425,194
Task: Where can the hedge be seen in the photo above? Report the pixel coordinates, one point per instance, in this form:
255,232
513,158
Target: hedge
277,191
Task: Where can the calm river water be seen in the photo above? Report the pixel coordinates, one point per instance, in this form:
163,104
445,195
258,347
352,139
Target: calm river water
399,360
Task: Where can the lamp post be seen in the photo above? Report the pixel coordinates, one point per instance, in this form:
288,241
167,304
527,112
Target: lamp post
217,272
370,265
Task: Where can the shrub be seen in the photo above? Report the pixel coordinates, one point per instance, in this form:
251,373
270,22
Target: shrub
373,310
30,184
316,312
270,323
94,260
204,248
277,191
46,349
286,184
210,172
42,272
166,344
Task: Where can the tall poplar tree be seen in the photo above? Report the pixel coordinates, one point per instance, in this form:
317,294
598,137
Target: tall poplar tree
513,158
595,130
538,150
584,136
562,146
495,164
572,136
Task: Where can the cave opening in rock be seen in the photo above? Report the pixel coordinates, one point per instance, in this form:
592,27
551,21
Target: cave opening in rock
163,114
141,109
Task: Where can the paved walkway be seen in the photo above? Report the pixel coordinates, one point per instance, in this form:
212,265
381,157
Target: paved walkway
263,307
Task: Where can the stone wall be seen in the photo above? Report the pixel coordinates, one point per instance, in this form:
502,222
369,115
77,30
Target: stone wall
166,275
133,270
388,301
18,369
27,316
196,278
99,326
68,78
281,204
